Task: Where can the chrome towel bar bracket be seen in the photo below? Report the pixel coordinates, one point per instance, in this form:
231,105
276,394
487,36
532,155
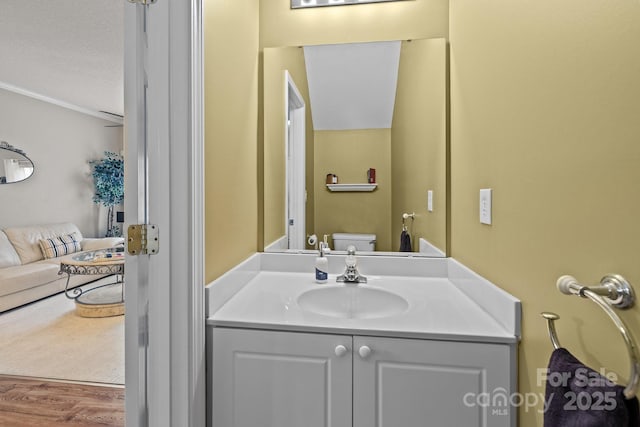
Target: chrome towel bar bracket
613,287
614,291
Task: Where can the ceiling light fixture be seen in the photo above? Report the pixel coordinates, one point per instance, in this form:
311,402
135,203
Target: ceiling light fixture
297,4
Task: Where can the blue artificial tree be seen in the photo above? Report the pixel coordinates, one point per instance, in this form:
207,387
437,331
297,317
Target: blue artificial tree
108,179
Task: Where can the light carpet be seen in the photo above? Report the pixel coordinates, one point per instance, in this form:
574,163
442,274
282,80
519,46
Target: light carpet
47,339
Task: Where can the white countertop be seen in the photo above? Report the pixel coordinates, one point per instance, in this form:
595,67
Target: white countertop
438,309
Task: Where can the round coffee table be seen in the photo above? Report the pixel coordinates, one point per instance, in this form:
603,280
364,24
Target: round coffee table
102,300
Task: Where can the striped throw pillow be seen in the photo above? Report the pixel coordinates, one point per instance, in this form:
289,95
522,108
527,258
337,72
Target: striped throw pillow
61,245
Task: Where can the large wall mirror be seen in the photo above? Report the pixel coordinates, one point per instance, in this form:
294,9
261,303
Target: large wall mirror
351,108
15,166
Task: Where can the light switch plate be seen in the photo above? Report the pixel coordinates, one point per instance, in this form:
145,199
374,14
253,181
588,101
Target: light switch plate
430,200
485,206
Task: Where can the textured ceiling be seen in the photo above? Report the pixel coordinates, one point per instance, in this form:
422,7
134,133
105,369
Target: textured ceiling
68,50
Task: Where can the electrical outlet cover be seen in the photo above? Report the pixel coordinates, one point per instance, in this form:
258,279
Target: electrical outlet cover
485,206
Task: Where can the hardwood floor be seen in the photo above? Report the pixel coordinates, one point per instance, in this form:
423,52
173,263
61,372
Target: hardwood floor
29,402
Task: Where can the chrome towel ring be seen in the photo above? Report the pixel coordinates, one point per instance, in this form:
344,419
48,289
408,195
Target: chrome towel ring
613,290
551,327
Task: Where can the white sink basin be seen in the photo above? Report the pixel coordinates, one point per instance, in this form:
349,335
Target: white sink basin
352,302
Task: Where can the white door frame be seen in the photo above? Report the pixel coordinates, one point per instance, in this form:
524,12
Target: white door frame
164,322
295,191
136,292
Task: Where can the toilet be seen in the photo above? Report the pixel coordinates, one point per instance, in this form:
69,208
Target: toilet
362,242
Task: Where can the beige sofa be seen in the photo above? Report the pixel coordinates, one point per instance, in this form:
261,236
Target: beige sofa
26,275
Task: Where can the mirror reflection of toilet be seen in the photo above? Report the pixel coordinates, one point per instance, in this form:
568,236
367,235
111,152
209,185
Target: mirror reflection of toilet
362,242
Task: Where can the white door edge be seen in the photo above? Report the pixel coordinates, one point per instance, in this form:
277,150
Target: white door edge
136,268
295,164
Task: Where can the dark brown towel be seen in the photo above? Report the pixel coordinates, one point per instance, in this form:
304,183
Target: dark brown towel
405,242
578,396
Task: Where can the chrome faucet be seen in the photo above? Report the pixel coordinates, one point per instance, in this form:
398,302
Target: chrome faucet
351,274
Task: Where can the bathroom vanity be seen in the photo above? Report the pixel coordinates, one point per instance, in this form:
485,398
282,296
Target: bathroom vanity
424,342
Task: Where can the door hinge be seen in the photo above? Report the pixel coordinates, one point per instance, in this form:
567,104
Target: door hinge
143,239
142,1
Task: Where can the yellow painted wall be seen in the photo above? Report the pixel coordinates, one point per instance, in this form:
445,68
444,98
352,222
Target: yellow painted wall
545,108
419,143
231,110
282,26
349,154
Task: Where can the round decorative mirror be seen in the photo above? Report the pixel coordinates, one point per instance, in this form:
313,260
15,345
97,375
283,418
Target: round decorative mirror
15,166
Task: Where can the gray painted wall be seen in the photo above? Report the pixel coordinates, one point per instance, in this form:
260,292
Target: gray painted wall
60,142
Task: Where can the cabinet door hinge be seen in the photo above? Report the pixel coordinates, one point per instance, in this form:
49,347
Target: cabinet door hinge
142,1
143,239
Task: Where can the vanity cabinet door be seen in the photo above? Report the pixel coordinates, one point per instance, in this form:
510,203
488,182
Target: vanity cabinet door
280,379
416,383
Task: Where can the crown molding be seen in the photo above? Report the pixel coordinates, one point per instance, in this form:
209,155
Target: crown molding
60,103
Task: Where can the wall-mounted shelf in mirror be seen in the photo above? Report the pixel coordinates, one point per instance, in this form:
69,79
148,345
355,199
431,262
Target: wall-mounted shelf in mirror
15,166
351,187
